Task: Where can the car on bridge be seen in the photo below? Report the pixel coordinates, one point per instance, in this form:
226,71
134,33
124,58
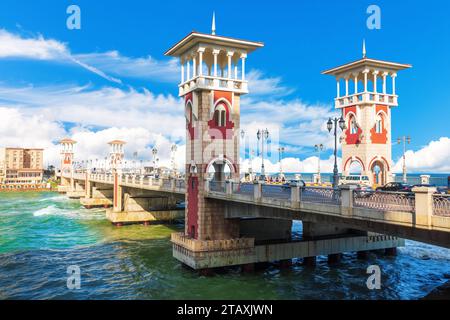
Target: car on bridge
395,187
355,179
439,190
288,184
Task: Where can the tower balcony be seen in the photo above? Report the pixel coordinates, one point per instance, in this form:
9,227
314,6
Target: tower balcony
213,83
390,100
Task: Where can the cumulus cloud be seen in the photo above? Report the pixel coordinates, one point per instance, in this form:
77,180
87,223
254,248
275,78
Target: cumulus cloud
290,164
105,107
434,157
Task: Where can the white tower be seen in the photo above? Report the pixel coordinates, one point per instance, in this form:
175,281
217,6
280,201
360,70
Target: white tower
366,107
67,155
116,154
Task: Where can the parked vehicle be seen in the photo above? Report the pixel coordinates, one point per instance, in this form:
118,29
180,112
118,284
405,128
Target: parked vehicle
439,190
395,187
355,179
287,185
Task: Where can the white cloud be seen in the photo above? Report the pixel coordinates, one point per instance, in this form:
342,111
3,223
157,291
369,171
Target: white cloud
105,107
39,48
434,157
142,67
14,46
260,85
18,129
291,164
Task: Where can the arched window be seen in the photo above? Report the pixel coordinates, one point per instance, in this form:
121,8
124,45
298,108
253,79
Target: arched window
220,116
353,126
379,124
189,113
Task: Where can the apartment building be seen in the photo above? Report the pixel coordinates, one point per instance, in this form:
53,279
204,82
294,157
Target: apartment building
21,166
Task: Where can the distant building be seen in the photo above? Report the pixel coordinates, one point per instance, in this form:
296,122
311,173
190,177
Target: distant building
21,166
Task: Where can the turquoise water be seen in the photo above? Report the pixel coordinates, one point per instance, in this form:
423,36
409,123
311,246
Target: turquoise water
41,234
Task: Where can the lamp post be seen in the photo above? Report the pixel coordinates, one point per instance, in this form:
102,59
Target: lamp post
333,123
262,135
405,140
280,159
154,152
173,150
318,148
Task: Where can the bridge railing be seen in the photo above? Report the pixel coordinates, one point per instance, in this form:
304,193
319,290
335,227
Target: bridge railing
320,195
384,200
217,186
441,205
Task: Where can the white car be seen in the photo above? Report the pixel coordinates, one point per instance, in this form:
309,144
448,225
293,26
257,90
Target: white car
355,179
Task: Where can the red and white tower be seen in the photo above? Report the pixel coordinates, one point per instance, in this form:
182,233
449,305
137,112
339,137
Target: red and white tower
116,154
67,155
366,93
212,83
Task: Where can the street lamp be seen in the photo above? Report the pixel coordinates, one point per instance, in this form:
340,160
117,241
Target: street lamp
154,152
280,159
405,140
173,150
318,148
262,135
330,126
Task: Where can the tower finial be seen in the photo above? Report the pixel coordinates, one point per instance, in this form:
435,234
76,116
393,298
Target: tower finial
213,27
364,49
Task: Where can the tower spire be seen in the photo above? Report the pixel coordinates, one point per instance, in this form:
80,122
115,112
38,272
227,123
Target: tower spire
364,49
213,27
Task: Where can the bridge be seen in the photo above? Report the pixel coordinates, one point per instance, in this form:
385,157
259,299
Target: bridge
421,215
231,223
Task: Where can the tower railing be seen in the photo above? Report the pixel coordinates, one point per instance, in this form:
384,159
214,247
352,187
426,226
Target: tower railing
366,97
211,82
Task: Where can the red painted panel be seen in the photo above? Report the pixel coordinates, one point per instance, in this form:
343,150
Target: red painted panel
227,95
192,209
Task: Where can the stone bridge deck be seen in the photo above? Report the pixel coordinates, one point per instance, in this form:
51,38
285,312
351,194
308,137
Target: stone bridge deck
421,215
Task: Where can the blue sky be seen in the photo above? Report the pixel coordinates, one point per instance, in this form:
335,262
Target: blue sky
302,38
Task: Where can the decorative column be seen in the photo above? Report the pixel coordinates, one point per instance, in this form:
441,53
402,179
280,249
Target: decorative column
243,57
194,66
365,72
215,54
393,76
356,84
346,86
182,71
229,56
200,61
384,82
188,76
338,88
375,74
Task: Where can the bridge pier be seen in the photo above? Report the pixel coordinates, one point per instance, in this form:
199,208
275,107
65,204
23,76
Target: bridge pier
100,195
390,252
334,258
310,261
133,205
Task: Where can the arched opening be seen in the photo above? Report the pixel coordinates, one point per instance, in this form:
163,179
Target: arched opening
355,168
220,171
353,125
378,170
379,124
220,115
